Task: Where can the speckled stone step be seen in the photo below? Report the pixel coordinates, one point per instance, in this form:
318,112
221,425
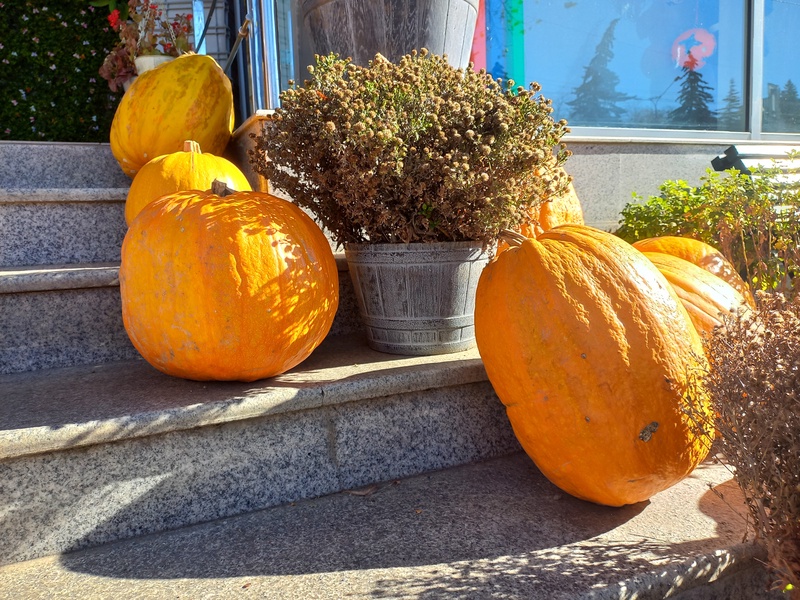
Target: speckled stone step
89,455
63,315
60,203
41,226
491,529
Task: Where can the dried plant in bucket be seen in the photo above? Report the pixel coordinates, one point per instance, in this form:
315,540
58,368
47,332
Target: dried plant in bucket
413,151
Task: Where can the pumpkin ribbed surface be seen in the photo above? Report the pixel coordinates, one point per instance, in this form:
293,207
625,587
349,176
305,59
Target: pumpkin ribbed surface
235,288
706,297
188,169
591,352
187,98
701,254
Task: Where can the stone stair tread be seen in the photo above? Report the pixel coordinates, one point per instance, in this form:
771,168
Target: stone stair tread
68,407
78,194
67,276
490,529
42,278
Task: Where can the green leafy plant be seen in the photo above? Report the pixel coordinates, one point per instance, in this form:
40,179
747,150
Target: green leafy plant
413,151
754,386
753,221
50,53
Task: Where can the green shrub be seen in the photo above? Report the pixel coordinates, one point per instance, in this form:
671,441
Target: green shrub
50,89
754,222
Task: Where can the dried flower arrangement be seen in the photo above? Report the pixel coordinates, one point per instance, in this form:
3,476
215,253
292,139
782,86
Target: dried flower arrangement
754,386
413,151
142,32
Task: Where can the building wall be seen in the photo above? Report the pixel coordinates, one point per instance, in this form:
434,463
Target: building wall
606,173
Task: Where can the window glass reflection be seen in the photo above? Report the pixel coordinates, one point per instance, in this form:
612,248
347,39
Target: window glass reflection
781,108
675,64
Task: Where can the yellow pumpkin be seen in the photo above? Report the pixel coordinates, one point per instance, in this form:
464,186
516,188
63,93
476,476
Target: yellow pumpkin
705,296
187,98
188,169
239,287
591,352
701,254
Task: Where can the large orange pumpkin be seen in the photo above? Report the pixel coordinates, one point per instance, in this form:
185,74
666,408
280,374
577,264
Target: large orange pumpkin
591,352
188,169
706,297
187,98
701,254
239,287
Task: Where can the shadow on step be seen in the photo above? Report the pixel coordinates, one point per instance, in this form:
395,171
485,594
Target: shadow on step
500,519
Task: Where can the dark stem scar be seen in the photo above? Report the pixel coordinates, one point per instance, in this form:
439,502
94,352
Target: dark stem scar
648,431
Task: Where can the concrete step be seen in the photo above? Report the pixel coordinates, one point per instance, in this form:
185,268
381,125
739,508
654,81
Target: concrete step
59,165
41,226
491,529
63,315
60,203
90,455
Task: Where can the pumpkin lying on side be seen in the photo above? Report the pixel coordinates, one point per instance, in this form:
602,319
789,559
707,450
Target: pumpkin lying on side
706,297
187,98
592,353
701,254
188,169
239,287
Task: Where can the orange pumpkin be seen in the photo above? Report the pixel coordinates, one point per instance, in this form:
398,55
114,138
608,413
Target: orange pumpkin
239,287
591,352
705,296
188,169
187,98
561,210
701,254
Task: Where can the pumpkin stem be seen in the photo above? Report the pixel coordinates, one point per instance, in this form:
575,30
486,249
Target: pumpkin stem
220,188
191,146
512,238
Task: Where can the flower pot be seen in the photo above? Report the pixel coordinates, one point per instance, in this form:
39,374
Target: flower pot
150,61
362,28
417,299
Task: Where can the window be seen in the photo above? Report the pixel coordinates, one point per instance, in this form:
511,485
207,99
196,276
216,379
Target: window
663,64
781,75
649,68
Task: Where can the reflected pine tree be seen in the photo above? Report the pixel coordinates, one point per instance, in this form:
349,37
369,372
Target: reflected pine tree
731,117
694,98
597,100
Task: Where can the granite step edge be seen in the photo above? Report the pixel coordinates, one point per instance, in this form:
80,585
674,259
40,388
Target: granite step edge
63,194
43,278
697,577
69,276
448,529
60,409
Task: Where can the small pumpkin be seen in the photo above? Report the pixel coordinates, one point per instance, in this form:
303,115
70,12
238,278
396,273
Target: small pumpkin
701,254
187,98
188,169
705,296
591,352
239,287
560,210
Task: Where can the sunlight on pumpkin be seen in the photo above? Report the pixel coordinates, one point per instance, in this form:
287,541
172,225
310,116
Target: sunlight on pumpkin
241,287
